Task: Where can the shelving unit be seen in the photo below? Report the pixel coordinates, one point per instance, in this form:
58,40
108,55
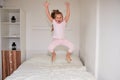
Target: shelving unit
12,32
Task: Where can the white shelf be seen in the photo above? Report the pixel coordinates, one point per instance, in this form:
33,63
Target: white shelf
13,32
11,37
10,23
10,10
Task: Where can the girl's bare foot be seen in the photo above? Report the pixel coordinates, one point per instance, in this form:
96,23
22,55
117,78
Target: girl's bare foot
68,57
53,56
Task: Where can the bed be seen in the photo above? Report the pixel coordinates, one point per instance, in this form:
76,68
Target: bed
40,67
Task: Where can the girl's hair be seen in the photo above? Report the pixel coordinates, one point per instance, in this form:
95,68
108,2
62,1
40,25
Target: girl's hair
54,12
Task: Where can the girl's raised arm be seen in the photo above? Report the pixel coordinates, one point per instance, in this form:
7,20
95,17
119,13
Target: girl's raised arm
47,11
67,12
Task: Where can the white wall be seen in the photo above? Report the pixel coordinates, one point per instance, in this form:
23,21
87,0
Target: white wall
100,37
109,50
0,51
88,33
38,24
1,3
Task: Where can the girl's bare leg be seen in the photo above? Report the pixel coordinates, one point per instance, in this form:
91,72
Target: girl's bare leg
68,57
53,56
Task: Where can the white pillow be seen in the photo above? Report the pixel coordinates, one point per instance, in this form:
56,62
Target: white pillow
61,60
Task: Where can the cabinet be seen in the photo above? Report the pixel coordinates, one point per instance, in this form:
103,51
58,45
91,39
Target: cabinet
10,62
12,30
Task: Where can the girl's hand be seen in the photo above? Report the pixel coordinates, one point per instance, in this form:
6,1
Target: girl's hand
46,4
47,11
67,4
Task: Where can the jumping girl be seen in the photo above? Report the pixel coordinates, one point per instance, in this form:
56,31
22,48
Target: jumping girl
58,27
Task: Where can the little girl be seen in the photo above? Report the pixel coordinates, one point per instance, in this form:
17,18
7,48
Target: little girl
58,24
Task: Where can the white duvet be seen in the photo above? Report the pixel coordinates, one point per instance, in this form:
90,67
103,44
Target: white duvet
33,70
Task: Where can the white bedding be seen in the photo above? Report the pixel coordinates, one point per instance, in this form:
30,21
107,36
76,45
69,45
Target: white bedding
38,69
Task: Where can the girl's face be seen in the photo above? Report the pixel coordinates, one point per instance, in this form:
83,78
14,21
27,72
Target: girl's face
58,18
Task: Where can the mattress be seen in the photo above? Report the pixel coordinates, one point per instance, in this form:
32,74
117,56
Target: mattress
41,68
